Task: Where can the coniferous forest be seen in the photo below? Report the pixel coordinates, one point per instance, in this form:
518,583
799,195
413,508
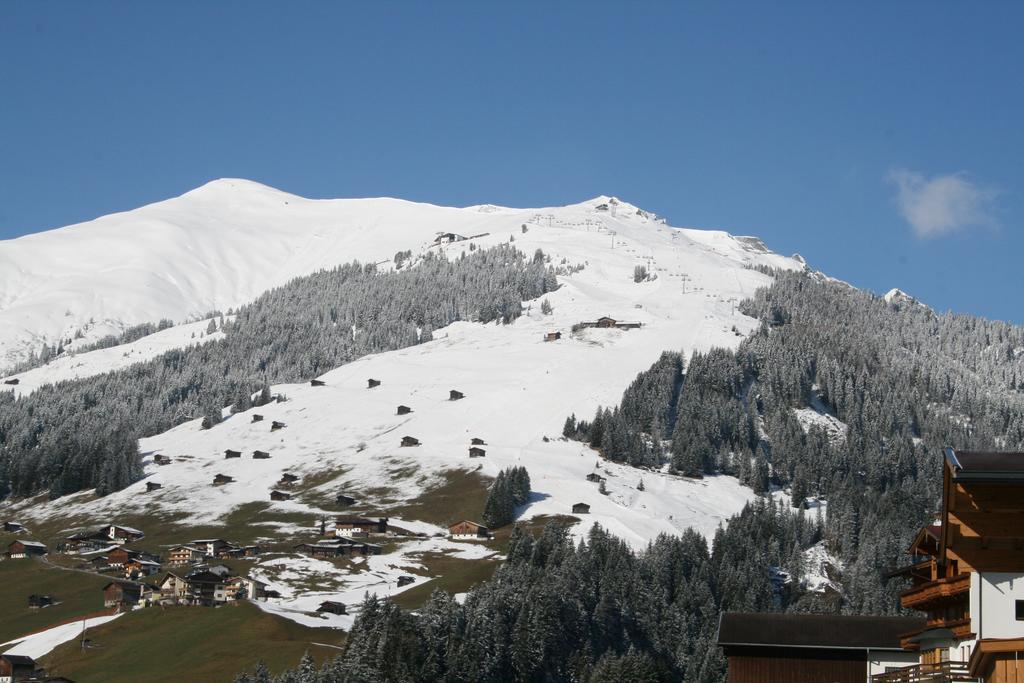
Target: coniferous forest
83,433
905,381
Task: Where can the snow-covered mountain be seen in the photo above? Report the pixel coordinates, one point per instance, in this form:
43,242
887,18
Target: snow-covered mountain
223,244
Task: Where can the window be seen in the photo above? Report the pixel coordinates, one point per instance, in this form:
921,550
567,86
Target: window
1020,610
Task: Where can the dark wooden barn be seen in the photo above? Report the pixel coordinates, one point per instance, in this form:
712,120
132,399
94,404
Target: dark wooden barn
12,382
275,425
280,495
162,459
476,441
332,607
371,383
404,410
410,441
317,383
581,509
344,500
222,479
232,454
152,486
807,648
36,601
289,478
552,336
455,395
260,455
476,452
257,418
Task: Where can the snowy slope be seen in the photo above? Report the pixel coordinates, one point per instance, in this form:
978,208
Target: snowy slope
220,246
78,365
518,388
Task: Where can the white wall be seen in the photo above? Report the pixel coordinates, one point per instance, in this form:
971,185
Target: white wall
993,600
879,660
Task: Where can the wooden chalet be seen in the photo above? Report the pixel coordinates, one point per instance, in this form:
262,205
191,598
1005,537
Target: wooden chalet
171,588
280,495
206,588
36,601
371,383
595,477
211,547
162,459
580,509
408,441
138,567
606,322
337,547
455,395
222,479
468,531
184,554
476,441
476,452
360,526
405,580
17,668
14,527
290,478
243,552
260,455
232,454
317,383
403,410
121,594
21,549
115,533
331,607
967,574
552,336
257,418
246,588
153,486
345,501
275,425
798,648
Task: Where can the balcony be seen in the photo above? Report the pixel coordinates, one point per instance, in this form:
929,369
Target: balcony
944,672
919,597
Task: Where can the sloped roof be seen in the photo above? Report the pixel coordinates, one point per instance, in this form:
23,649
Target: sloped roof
832,631
985,465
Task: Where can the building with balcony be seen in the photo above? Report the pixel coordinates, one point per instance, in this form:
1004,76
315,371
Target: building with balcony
967,576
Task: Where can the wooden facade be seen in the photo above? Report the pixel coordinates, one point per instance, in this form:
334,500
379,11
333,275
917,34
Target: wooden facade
810,648
476,452
468,530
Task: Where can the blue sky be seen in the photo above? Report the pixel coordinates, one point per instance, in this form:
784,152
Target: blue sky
883,141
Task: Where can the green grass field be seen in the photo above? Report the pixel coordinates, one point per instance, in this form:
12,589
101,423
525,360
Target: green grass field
77,594
161,645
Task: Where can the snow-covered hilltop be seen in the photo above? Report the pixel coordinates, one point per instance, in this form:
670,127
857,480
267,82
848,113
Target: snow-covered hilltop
224,243
230,240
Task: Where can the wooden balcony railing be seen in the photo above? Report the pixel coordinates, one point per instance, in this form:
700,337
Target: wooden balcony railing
944,672
920,596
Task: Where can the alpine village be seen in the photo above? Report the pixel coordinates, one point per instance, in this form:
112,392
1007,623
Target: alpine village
328,356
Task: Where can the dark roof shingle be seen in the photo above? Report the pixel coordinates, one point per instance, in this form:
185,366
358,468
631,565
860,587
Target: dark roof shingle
815,630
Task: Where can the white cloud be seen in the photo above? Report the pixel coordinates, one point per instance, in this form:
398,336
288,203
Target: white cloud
942,204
